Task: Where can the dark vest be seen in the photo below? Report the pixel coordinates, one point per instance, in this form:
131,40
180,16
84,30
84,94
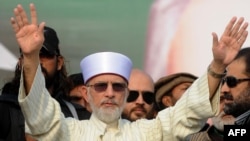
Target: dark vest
12,127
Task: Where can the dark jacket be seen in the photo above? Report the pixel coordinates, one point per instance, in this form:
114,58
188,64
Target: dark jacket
208,133
12,126
11,119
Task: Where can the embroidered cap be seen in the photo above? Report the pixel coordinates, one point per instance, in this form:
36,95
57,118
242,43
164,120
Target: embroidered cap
106,62
164,85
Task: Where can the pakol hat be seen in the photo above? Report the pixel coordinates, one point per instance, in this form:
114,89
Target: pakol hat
165,84
106,62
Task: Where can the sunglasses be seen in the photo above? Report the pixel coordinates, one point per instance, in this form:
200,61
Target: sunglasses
232,81
147,96
102,86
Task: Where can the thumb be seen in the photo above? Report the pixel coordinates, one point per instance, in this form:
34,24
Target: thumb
215,39
41,27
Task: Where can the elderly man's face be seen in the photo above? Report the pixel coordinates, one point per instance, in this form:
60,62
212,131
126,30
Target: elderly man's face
107,95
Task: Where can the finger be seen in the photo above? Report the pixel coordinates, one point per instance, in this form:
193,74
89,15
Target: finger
33,14
243,38
242,30
18,18
229,26
41,28
236,28
15,27
23,15
215,39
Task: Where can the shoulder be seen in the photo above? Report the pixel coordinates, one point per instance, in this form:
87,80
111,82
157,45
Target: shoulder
202,135
9,99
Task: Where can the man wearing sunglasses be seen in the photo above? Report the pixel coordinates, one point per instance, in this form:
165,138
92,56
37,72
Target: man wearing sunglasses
236,88
215,130
235,97
106,76
54,72
140,101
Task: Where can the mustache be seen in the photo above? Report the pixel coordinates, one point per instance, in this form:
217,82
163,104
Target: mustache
111,101
228,96
139,107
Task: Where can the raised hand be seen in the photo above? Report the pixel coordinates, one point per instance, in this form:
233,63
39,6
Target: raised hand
28,34
30,38
227,47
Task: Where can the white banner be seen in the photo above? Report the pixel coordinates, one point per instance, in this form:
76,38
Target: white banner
8,60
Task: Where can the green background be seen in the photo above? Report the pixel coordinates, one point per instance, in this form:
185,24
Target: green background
85,27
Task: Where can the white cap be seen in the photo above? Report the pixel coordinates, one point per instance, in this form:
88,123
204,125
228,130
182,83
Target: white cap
105,62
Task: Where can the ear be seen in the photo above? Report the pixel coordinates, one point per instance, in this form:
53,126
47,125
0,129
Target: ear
167,101
60,62
85,93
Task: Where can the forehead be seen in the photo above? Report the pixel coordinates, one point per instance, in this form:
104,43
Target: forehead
237,67
107,78
140,81
183,84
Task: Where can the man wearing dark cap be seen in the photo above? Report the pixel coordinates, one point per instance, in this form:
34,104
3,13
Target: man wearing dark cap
106,76
77,90
169,89
54,71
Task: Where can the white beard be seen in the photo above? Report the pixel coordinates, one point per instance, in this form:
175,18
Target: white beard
106,114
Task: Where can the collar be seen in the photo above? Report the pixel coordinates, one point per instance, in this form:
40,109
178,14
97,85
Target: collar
103,127
243,118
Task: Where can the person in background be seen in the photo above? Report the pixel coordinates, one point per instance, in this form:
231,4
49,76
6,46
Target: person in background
170,88
77,90
215,130
235,96
55,74
140,101
11,118
106,76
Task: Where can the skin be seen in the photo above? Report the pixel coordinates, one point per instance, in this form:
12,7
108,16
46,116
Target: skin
237,98
50,66
109,104
222,119
77,95
176,93
139,81
30,39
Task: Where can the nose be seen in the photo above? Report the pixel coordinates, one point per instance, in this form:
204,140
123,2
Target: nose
109,91
139,99
224,88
